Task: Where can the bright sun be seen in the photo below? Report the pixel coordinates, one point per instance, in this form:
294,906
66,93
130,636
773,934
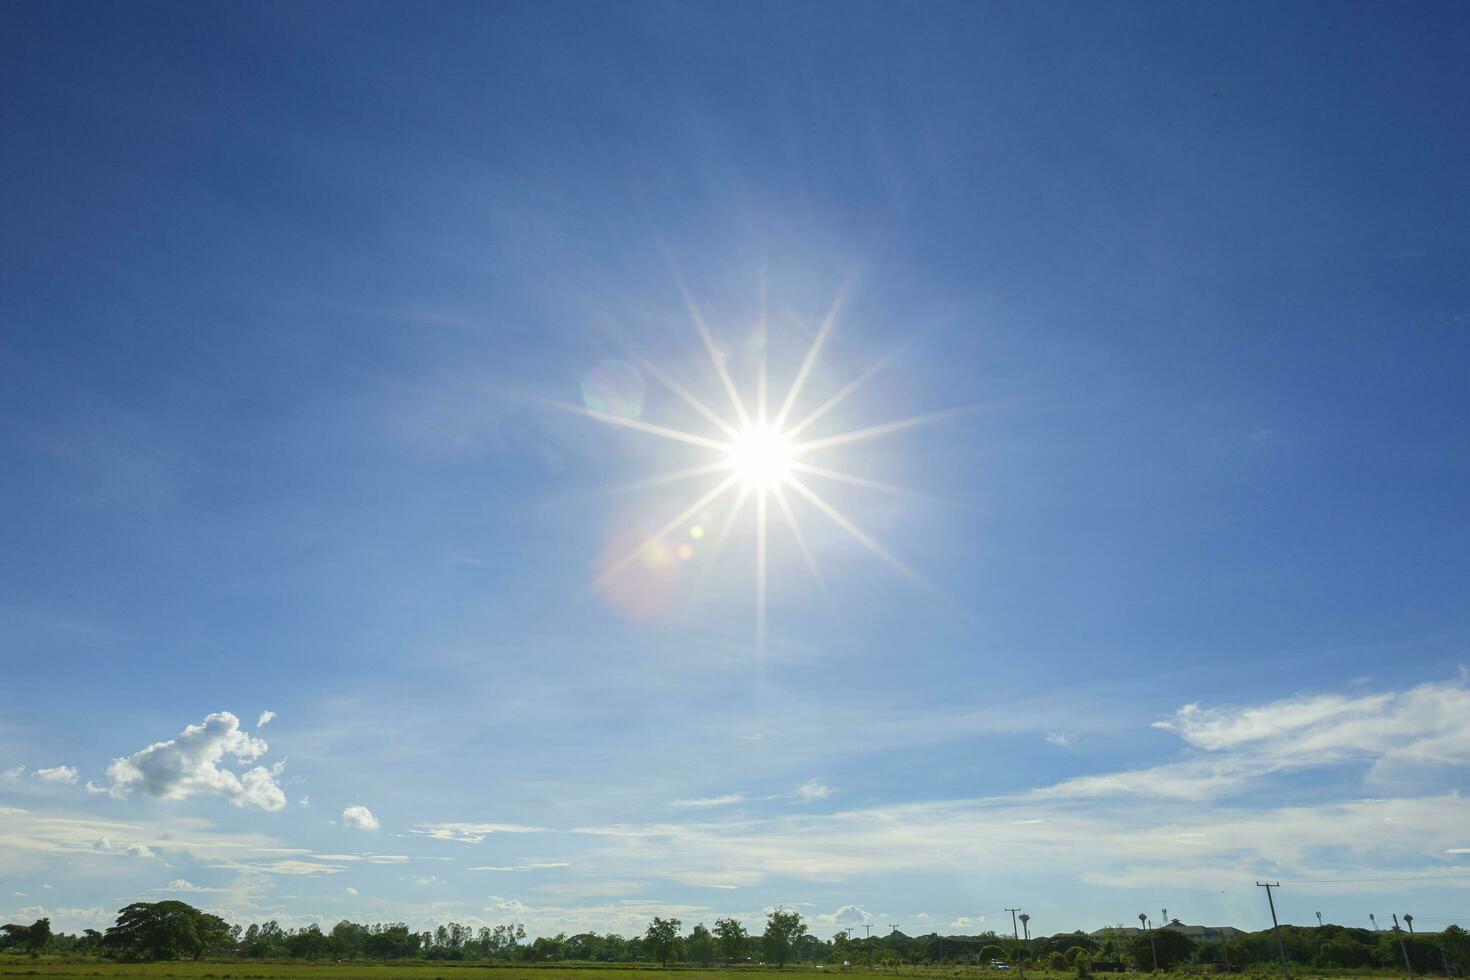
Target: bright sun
761,457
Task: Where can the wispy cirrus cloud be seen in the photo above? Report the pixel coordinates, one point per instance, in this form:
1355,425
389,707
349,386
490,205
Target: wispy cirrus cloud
470,833
708,802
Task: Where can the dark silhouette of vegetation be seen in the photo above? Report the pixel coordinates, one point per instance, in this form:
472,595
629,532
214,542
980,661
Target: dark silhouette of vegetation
174,930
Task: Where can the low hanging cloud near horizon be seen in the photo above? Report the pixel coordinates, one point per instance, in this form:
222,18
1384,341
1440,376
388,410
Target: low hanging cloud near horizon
189,765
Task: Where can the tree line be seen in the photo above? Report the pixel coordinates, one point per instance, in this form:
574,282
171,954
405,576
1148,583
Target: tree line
172,930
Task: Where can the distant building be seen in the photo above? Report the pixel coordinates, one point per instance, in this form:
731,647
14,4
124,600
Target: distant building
1204,934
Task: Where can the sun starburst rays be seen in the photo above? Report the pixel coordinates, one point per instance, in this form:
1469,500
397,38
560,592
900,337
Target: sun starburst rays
760,456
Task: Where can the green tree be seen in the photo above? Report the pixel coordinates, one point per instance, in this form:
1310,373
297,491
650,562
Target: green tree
1082,963
783,929
662,939
1341,952
1456,945
392,942
1056,962
309,943
1170,946
701,945
166,931
732,939
990,953
32,938
349,940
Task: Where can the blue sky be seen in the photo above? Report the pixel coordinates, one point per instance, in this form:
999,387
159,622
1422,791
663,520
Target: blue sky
287,294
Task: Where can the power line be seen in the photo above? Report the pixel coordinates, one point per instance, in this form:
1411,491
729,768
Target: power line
1354,881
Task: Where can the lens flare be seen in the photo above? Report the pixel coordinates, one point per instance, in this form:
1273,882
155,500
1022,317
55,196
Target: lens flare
761,457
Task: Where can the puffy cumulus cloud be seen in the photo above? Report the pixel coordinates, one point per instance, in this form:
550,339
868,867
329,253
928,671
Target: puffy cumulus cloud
264,719
350,890
184,885
847,915
190,765
57,774
967,922
357,815
105,846
470,833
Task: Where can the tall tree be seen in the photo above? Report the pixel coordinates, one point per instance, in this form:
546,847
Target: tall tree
732,939
783,929
166,931
701,945
662,939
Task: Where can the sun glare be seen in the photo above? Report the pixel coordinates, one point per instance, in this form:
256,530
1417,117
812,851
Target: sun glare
758,455
761,457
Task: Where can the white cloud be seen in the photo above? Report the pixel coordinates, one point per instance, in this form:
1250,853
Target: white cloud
57,774
538,866
106,846
264,719
283,866
1427,724
470,833
370,858
357,815
69,919
12,774
847,915
190,765
182,885
1186,822
428,880
350,890
967,922
1060,739
813,790
706,802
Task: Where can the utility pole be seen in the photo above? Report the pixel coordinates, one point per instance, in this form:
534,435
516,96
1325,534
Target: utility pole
1407,965
1143,921
1276,926
868,942
1016,932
